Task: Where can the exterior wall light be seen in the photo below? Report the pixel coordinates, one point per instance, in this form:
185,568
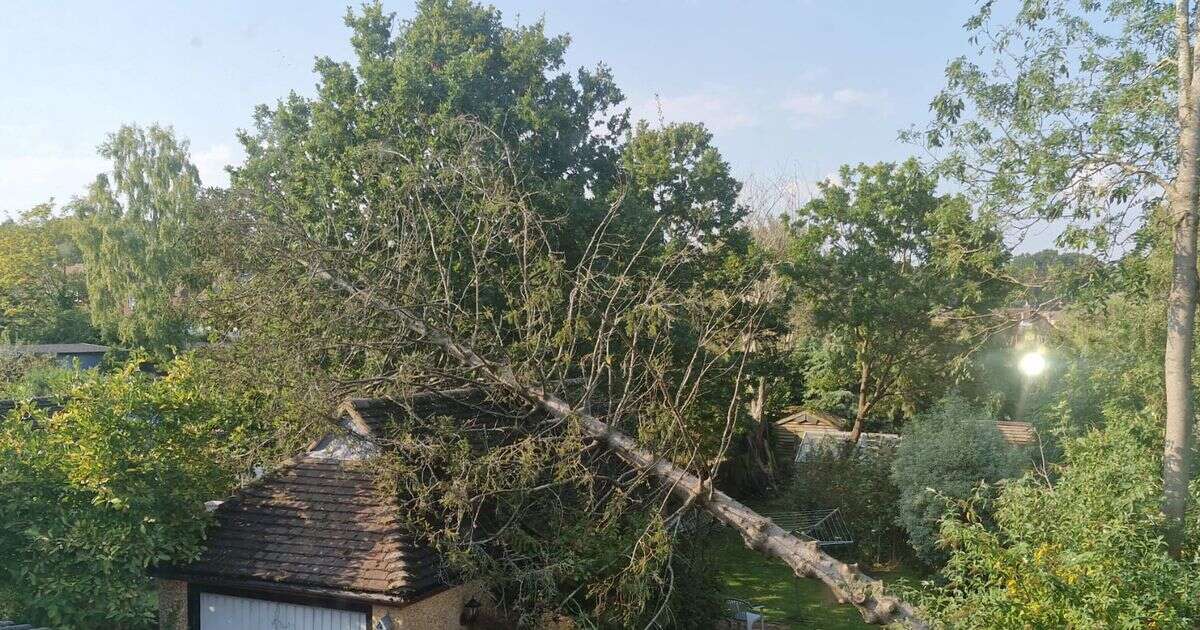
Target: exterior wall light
470,612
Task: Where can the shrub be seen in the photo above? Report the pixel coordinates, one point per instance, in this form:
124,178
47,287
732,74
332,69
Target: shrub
860,488
94,494
1083,551
945,453
28,375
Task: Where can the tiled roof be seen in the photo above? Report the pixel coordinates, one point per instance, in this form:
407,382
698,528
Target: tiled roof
1017,433
371,416
318,524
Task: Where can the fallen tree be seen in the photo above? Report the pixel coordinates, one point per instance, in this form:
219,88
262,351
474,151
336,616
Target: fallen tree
806,559
451,271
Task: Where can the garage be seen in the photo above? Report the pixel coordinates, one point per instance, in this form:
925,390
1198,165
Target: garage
229,612
314,545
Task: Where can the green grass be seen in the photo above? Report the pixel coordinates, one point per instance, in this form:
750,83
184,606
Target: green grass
769,583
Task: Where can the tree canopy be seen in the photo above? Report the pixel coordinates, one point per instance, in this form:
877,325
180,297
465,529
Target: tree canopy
133,231
892,273
43,296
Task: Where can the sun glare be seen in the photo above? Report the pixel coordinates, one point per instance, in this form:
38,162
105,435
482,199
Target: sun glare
1032,364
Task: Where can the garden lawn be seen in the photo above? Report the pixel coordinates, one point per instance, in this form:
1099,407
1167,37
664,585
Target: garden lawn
769,583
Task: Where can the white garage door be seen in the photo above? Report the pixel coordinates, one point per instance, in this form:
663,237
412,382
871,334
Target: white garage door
225,612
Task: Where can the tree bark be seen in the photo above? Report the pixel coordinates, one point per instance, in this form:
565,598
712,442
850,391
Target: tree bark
759,440
806,559
1181,301
861,414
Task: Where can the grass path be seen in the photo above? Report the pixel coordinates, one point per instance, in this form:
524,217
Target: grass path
786,600
771,584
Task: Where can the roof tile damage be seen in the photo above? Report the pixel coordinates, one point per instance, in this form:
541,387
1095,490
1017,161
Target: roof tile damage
318,524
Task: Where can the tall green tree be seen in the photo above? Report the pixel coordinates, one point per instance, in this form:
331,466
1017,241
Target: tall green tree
454,167
1087,111
115,481
134,237
43,295
891,272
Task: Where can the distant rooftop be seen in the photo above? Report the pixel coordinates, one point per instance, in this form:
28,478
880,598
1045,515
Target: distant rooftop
54,348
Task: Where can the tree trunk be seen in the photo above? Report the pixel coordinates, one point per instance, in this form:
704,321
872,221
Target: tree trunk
1181,301
861,413
759,440
806,559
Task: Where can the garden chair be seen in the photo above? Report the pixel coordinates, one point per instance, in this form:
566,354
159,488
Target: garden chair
744,612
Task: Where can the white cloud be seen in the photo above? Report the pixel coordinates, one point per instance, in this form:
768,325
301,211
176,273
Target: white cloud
28,180
809,109
718,111
211,163
61,173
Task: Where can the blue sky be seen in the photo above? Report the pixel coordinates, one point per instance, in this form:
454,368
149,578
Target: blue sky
791,89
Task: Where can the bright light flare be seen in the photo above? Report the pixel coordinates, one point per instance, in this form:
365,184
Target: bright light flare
1032,364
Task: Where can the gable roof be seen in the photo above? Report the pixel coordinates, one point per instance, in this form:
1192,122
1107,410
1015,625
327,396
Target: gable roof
812,420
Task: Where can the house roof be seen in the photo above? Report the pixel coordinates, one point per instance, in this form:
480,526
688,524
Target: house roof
812,420
1017,433
318,525
55,348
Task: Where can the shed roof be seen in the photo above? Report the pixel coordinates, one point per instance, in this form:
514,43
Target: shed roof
812,420
1017,433
318,524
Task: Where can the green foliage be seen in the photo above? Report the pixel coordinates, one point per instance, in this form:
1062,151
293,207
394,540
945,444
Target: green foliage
134,236
547,555
454,159
114,482
890,271
861,488
25,376
1082,548
1064,110
944,455
1051,276
685,181
42,297
410,89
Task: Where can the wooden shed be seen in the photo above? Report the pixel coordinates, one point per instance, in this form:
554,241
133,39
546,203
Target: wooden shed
791,429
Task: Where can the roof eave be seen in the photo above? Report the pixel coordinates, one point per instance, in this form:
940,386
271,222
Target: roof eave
290,588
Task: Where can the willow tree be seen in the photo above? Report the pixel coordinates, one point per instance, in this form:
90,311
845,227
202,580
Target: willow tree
133,235
1085,112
